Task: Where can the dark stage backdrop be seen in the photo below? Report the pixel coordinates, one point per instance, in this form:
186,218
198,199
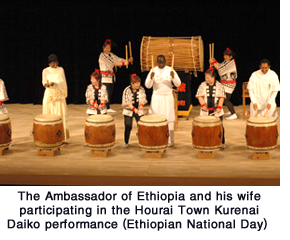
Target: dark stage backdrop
76,30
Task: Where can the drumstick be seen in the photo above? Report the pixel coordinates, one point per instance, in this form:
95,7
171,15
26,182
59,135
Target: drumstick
212,50
256,112
126,48
152,63
172,65
130,50
266,112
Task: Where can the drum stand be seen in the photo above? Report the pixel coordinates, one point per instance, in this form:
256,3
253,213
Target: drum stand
205,154
261,155
2,150
100,152
49,152
154,153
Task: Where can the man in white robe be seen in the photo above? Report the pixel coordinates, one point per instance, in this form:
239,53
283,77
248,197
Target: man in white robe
162,101
263,88
54,100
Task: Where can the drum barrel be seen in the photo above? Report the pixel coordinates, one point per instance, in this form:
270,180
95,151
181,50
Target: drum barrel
100,131
207,133
48,131
5,131
261,133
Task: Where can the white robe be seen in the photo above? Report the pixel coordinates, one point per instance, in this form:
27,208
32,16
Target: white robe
54,100
162,101
263,89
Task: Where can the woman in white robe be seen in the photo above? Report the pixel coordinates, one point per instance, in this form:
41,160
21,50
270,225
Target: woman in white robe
162,100
54,100
263,88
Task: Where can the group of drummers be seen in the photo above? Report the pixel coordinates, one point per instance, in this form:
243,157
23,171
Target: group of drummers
263,87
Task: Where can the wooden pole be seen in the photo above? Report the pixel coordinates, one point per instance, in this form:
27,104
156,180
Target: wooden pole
130,51
126,49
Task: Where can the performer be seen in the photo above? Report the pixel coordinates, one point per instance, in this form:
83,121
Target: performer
133,101
263,88
211,95
162,101
3,97
54,100
228,74
108,62
96,95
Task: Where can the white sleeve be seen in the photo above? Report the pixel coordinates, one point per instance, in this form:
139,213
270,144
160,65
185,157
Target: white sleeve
250,88
149,81
44,78
252,96
273,96
176,80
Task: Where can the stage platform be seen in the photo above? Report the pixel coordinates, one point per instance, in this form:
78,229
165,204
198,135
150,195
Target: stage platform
73,165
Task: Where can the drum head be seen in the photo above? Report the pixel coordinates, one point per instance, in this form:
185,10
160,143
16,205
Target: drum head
100,118
47,118
3,117
261,120
153,119
206,119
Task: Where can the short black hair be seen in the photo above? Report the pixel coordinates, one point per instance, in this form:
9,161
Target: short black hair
265,61
161,56
211,72
52,58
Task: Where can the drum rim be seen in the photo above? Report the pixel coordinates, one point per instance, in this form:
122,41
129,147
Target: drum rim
91,119
216,119
37,118
161,116
4,119
261,117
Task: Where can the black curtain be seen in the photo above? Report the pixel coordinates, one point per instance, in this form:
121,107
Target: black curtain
76,30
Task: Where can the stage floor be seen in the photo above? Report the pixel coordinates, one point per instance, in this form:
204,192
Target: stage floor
73,165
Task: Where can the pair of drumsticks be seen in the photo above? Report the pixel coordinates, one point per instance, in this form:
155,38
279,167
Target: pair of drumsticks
211,50
130,50
267,109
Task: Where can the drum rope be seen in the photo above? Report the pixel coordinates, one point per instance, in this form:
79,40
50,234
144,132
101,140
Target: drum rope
192,54
147,55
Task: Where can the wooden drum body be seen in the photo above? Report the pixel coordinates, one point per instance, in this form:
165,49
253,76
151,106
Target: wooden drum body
207,133
48,131
100,131
188,52
261,133
5,131
153,132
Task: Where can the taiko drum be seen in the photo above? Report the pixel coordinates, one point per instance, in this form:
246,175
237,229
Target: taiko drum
207,133
48,131
5,131
187,51
153,132
100,131
261,133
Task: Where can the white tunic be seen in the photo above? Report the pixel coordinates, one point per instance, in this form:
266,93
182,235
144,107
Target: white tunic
263,89
162,101
107,64
202,91
54,100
